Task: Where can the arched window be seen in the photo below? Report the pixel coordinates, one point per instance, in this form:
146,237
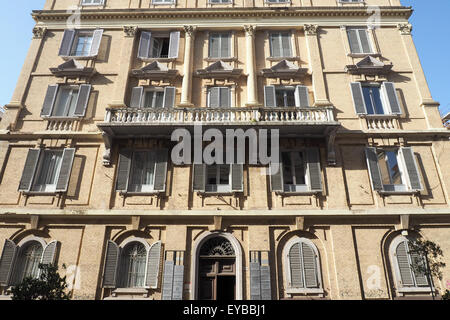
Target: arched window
302,267
134,260
403,261
30,257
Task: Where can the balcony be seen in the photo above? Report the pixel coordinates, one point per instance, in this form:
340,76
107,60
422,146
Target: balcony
128,122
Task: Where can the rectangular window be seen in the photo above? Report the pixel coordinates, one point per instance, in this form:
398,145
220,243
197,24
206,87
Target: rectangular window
294,171
359,40
142,171
220,45
218,178
373,100
154,98
66,101
280,44
391,170
82,44
159,47
92,2
48,170
219,97
285,96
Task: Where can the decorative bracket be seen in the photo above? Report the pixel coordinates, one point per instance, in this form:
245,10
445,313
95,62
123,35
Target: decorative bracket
405,28
107,154
130,31
331,151
249,30
39,32
311,29
190,30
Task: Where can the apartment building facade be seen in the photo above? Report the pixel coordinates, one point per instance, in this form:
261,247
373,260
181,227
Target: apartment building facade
88,177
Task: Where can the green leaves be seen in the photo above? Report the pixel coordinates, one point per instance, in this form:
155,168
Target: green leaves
427,258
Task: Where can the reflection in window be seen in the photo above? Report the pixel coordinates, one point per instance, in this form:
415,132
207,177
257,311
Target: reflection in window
372,97
389,167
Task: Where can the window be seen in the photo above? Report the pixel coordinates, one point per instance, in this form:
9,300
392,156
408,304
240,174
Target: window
218,178
375,99
92,2
280,44
47,170
286,96
220,45
294,170
135,265
159,45
142,171
81,43
153,97
66,101
393,169
302,267
359,40
30,256
219,97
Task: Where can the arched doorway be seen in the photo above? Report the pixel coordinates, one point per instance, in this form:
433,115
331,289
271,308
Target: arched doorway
217,270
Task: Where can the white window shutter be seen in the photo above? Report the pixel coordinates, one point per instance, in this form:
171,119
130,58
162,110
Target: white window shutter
123,170
225,47
50,252
29,170
358,98
411,168
161,170
374,168
82,100
144,45
153,265
66,44
7,262
404,266
353,41
302,97
169,97
110,275
315,174
66,169
391,97
49,100
365,42
96,41
269,97
136,97
174,44
420,277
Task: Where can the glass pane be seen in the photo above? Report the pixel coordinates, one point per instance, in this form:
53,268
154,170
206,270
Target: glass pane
32,254
368,100
390,171
364,37
73,103
156,47
290,98
286,45
148,100
135,256
211,174
49,169
224,174
159,99
287,168
299,168
61,102
83,45
372,98
143,170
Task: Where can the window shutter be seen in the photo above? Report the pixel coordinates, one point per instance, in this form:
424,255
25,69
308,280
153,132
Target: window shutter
214,44
309,263
301,97
225,96
49,253
255,280
96,41
421,278
358,98
174,44
275,45
225,40
214,96
391,96
269,97
123,170
66,169
266,290
353,40
144,45
178,282
296,266
237,177
136,97
276,178
82,100
315,175
168,280
364,37
29,169
49,100
411,167
403,265
7,262
161,170
66,44
374,169
111,263
169,97
153,264
199,179
286,45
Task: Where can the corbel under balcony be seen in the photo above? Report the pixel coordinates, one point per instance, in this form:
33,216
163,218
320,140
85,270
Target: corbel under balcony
155,70
284,70
219,70
369,66
73,68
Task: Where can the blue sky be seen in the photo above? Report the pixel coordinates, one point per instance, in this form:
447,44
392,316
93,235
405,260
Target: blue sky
430,36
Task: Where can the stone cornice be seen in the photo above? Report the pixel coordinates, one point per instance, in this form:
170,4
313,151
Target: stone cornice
174,13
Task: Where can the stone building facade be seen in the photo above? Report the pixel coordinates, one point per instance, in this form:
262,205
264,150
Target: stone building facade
87,178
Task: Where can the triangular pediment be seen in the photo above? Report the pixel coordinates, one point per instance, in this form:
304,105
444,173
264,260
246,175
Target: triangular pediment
284,65
218,66
219,69
370,61
72,68
70,65
369,66
154,66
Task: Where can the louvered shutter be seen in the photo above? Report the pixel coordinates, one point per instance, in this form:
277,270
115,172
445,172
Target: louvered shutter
301,97
391,96
421,278
123,170
178,282
224,99
315,175
214,97
237,177
49,100
255,280
266,290
96,41
214,45
296,266
270,97
136,97
169,97
358,98
275,45
168,280
225,46
111,264
174,44
82,100
310,267
276,177
7,262
153,264
286,45
365,43
66,44
161,170
374,169
29,169
144,45
66,169
353,40
199,179
404,265
49,253
411,168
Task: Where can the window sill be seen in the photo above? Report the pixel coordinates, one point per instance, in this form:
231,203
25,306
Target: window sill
378,116
144,193
158,59
414,290
405,192
217,193
60,118
229,59
304,291
283,58
296,193
42,193
79,57
363,55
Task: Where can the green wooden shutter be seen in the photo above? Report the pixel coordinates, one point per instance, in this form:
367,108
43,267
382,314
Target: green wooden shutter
404,265
161,170
50,252
66,169
255,280
144,45
198,177
374,169
276,177
301,97
296,266
315,175
169,97
168,280
178,282
136,97
270,97
111,263
174,44
66,44
310,266
96,41
153,264
123,170
29,169
7,262
49,100
82,100
358,98
237,177
411,168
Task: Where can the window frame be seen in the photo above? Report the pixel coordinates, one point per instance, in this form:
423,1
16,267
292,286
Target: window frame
230,44
404,187
291,44
370,40
148,188
159,35
296,188
122,246
48,189
208,97
152,89
75,40
163,2
218,188
67,106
